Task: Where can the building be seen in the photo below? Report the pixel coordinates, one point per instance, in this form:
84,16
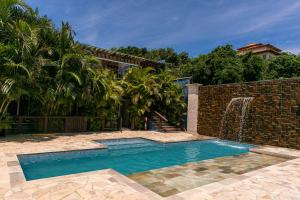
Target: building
266,51
119,62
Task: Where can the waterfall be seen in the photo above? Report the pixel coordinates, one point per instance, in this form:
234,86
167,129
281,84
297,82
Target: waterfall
241,106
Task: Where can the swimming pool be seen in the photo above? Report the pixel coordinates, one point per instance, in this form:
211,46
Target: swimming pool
126,156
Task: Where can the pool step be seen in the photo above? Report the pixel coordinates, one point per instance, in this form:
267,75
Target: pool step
127,143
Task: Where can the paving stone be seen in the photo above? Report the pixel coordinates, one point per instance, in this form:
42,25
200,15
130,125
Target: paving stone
277,181
187,176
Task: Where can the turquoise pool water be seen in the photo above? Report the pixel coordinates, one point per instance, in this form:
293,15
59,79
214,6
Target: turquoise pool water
126,156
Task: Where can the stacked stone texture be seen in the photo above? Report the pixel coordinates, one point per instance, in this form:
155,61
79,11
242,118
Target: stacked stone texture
274,114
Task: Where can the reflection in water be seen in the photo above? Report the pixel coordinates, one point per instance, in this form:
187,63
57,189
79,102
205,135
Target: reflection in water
191,152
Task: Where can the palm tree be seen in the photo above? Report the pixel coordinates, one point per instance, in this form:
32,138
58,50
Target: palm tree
18,60
172,103
142,89
10,8
149,91
48,68
12,71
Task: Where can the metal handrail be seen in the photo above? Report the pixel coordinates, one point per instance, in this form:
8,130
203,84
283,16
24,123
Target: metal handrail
161,116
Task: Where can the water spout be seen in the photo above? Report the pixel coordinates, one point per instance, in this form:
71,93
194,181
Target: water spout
240,105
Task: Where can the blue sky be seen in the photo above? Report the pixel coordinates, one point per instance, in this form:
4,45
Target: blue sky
195,26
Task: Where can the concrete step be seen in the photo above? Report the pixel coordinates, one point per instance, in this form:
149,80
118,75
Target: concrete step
162,125
172,128
168,128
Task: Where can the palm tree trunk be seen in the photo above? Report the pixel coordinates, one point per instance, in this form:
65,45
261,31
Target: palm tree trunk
146,124
18,107
133,122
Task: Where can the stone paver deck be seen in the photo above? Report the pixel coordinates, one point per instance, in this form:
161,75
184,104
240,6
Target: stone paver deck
280,181
175,179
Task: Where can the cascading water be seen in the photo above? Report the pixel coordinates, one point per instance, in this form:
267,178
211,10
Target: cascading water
241,106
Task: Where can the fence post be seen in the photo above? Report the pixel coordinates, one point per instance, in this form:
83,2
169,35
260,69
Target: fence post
46,124
192,113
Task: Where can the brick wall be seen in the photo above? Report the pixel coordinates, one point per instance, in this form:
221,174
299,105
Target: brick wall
274,115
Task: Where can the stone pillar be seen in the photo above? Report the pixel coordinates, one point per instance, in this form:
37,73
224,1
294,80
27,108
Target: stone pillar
192,113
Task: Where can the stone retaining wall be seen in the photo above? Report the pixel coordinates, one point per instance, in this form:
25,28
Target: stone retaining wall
274,115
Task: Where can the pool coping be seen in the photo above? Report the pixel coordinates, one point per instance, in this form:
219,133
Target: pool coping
103,147
17,177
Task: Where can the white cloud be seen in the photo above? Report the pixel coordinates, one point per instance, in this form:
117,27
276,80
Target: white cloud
271,16
188,24
232,21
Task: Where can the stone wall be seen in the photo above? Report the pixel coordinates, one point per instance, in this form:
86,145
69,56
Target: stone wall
274,115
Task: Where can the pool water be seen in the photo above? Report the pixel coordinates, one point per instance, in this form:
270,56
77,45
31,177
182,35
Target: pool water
126,156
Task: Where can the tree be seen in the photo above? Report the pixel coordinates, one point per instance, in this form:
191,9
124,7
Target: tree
283,66
142,90
135,51
166,55
149,91
253,67
18,44
220,66
46,66
171,103
44,69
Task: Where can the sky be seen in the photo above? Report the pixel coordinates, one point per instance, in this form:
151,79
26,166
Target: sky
194,26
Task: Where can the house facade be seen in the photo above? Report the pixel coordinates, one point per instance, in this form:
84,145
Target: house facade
266,51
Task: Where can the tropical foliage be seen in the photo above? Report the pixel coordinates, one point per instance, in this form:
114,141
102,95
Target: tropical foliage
222,65
165,55
148,91
283,66
46,67
44,71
